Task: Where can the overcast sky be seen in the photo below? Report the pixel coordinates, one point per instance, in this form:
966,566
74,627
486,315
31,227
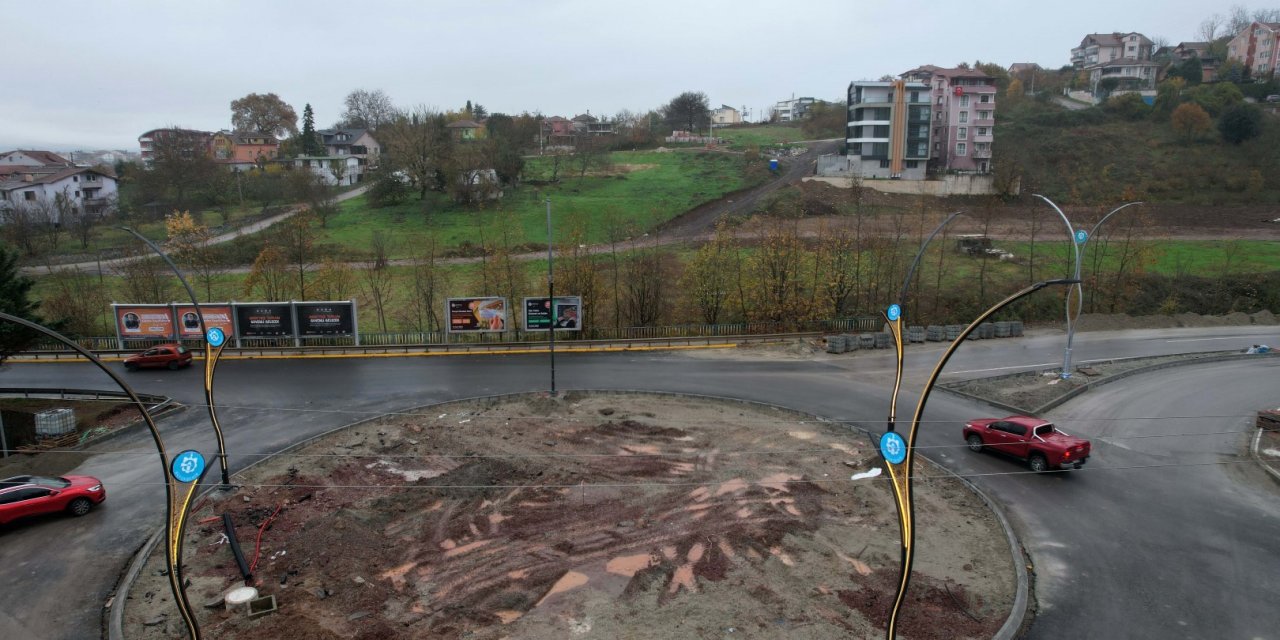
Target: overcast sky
91,75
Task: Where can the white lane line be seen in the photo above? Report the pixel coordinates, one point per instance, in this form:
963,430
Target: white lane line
1204,339
1018,366
866,474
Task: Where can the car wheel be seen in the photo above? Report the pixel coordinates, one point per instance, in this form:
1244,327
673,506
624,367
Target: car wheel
129,366
1038,464
173,365
975,443
79,506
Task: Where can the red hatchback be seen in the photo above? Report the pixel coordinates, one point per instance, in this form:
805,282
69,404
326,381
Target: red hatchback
173,356
24,496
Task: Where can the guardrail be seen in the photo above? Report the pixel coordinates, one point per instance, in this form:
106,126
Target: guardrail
155,404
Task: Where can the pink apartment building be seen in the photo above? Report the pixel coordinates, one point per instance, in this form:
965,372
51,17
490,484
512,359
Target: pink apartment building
964,117
1257,47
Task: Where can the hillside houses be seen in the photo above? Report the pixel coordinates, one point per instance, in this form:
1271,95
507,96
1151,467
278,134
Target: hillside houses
51,187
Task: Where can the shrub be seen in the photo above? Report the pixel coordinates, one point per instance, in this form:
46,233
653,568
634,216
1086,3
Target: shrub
1240,123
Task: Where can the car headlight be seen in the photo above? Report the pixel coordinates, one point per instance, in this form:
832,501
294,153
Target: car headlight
96,487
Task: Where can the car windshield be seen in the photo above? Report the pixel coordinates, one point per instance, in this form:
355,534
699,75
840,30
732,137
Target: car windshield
182,349
1044,430
42,481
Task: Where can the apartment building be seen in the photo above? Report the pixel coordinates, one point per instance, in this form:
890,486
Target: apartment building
190,140
725,116
1099,48
1258,48
888,129
963,102
793,110
47,184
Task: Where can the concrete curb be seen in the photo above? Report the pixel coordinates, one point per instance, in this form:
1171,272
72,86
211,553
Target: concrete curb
1266,466
1007,631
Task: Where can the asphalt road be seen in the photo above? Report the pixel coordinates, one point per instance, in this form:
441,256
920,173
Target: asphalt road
56,574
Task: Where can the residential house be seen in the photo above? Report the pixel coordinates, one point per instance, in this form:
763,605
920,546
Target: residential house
591,125
335,170
463,130
243,150
888,131
55,186
1099,48
1185,51
1130,74
725,116
358,143
1257,47
793,110
147,141
963,103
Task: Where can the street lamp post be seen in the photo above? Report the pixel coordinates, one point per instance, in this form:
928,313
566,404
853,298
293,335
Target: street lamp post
551,300
1079,237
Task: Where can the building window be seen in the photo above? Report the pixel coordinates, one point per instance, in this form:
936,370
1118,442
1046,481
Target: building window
962,133
915,96
884,164
962,149
913,164
982,131
984,99
77,194
939,118
984,115
964,101
936,147
29,195
964,116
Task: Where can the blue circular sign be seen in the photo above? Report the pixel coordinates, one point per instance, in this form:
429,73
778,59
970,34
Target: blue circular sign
893,447
894,312
1082,236
215,336
187,466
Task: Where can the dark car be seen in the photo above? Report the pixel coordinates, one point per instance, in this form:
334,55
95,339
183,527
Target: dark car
173,356
25,496
1037,441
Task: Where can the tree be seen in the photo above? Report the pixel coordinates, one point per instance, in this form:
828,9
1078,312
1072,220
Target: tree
334,280
689,111
268,277
1240,123
79,299
1210,26
191,245
310,144
824,120
1129,106
264,113
1190,121
296,238
367,110
419,143
147,279
388,188
15,292
707,278
1168,97
180,166
376,279
428,284
1190,69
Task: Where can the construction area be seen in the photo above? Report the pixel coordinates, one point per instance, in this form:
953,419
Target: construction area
590,515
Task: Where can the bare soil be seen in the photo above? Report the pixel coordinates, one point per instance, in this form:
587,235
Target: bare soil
93,418
588,516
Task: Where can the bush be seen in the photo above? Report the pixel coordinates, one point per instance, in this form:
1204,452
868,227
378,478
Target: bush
1129,106
388,189
1240,123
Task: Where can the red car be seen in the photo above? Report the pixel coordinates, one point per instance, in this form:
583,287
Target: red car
173,356
1037,441
24,496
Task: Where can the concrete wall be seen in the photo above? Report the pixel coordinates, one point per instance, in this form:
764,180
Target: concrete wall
950,185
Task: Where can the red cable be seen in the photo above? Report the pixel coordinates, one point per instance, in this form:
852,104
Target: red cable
257,545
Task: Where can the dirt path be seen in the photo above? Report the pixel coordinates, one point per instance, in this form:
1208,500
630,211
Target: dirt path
591,516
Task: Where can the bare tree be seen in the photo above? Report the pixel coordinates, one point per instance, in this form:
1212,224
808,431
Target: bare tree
1210,26
192,246
23,224
1238,19
147,280
296,238
377,282
269,277
707,278
428,284
334,280
367,109
420,144
644,290
79,300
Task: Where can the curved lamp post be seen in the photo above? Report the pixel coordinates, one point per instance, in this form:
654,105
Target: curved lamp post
211,354
176,526
1078,239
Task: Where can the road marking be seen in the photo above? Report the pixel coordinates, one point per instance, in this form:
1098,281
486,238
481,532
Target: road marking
1204,339
1000,368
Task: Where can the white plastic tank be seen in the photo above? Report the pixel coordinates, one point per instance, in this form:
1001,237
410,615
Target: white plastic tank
53,423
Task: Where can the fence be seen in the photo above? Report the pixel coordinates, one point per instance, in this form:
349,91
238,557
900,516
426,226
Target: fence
413,338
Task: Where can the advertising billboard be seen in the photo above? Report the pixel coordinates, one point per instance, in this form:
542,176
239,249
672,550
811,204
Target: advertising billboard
144,321
475,315
566,316
325,319
215,316
264,320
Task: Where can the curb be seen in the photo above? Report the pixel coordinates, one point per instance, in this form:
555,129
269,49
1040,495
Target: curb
1253,450
1007,631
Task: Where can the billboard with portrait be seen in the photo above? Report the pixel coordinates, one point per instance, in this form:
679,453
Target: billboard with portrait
215,315
144,321
325,319
264,319
565,314
477,315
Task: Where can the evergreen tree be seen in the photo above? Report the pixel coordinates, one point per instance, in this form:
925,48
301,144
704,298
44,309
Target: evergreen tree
14,291
311,145
468,108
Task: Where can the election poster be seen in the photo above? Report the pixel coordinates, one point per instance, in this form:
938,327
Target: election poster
325,319
264,320
216,315
144,321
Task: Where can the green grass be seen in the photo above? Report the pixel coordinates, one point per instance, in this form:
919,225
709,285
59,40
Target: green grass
111,240
1169,257
760,135
661,186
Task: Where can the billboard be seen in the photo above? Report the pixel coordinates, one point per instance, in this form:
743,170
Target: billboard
474,315
264,320
566,316
215,315
144,321
325,319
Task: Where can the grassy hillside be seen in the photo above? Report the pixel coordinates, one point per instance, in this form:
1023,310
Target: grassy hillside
1092,157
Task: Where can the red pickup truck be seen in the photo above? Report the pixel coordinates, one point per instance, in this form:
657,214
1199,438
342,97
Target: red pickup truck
1037,441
